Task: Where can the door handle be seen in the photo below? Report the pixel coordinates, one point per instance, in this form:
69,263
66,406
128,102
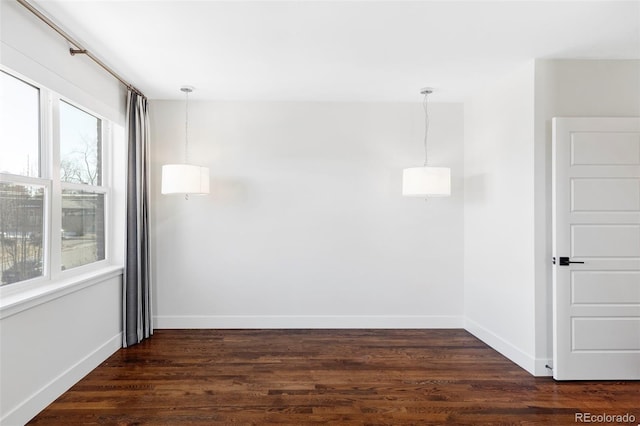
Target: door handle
564,261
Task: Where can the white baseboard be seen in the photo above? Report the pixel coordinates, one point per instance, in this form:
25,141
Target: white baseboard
52,390
308,321
534,366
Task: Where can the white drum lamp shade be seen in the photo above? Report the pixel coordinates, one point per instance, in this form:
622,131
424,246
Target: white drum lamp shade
426,181
185,179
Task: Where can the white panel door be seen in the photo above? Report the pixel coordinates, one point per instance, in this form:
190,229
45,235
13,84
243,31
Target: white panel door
596,227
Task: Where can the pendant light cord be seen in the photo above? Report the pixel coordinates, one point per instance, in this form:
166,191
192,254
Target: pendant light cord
186,90
426,125
186,129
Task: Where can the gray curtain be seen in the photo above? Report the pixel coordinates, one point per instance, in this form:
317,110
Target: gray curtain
136,308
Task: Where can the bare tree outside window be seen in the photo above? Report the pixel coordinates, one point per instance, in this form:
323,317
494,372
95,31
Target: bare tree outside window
83,239
21,230
79,166
80,146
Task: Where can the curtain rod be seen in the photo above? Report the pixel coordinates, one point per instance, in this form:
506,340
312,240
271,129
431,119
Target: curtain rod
79,48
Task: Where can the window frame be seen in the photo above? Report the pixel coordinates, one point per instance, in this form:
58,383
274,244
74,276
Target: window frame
103,188
49,178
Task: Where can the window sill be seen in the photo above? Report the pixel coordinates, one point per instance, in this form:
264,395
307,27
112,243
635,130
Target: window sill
14,303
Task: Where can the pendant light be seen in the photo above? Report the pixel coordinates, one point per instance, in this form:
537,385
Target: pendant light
426,181
185,178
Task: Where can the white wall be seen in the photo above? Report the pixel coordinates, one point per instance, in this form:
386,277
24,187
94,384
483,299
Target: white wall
499,215
306,225
570,88
46,349
49,343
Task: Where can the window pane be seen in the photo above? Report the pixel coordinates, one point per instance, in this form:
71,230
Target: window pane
82,228
80,146
21,229
19,127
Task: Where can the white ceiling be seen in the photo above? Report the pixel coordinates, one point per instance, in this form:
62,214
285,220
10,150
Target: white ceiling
339,50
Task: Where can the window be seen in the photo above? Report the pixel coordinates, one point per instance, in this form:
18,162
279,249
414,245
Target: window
82,230
53,194
22,206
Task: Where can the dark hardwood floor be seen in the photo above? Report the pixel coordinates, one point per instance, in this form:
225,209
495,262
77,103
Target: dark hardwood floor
341,377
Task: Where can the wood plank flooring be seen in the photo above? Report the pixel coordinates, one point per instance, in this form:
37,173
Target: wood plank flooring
341,377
